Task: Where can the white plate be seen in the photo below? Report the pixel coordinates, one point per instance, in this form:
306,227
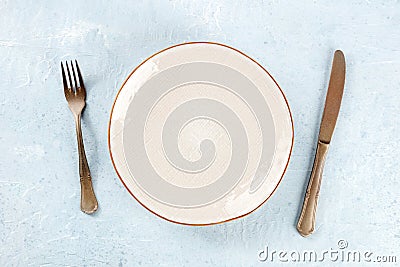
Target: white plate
200,134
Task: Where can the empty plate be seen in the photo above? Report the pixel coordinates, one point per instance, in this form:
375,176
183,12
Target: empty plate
200,134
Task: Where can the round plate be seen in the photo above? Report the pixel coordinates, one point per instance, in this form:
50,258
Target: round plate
200,134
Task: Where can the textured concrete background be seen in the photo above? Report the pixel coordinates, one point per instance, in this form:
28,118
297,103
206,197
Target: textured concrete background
40,220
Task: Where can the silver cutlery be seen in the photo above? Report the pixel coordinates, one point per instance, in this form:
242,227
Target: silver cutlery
333,100
75,94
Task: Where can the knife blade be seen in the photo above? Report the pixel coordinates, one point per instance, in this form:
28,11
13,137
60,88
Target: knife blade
306,223
333,98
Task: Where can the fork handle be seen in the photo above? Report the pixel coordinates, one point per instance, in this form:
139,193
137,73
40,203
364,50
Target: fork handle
88,198
306,222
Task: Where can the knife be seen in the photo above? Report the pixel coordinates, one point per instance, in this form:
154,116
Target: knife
334,95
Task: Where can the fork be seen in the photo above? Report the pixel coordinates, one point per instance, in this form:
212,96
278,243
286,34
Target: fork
76,95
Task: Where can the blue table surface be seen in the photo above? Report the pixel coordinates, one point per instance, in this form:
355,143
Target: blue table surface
40,220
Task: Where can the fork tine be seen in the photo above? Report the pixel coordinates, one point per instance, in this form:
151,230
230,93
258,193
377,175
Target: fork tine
73,72
66,89
82,86
69,76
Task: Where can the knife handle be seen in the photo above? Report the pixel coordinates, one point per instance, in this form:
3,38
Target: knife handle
306,222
